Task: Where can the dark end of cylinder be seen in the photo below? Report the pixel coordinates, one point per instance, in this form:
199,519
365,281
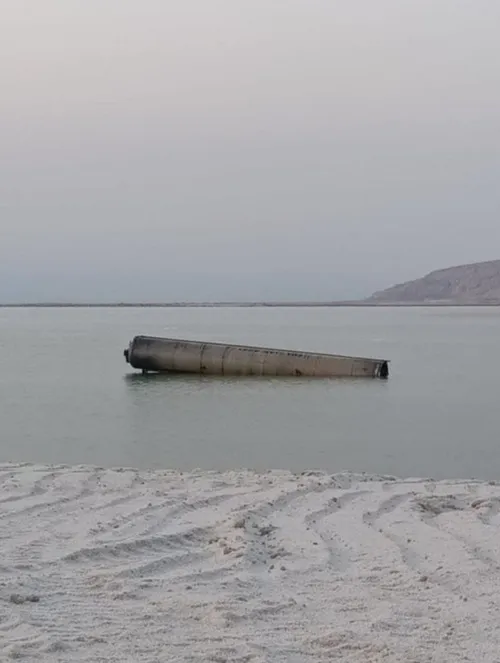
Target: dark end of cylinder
126,355
384,371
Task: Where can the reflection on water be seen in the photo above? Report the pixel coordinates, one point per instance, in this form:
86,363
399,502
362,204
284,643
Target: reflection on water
192,379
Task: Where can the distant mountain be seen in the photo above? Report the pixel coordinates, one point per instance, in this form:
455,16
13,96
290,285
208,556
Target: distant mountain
466,284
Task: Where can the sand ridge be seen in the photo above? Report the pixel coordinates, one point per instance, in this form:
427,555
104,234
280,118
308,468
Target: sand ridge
149,566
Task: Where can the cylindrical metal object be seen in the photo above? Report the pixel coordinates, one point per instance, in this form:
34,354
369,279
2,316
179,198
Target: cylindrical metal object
182,356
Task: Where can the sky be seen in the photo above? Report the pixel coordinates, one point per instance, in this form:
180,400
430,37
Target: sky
244,149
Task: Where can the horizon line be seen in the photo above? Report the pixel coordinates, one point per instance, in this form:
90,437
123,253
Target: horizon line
255,304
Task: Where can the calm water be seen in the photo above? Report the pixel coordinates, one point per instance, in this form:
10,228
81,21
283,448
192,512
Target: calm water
67,396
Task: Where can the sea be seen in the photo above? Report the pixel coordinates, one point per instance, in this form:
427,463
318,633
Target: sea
67,396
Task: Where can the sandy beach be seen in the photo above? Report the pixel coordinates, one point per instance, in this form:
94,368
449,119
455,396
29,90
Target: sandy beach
123,565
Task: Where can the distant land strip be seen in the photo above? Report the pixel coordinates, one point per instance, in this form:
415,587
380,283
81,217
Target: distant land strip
312,304
474,284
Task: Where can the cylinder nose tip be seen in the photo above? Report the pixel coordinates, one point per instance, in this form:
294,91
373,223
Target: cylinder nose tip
126,354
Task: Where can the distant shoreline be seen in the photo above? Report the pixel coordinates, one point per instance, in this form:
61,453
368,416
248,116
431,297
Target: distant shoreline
339,304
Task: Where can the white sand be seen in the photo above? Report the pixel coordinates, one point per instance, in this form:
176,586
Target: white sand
100,565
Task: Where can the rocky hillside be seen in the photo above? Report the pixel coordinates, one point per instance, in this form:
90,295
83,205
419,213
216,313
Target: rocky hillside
467,284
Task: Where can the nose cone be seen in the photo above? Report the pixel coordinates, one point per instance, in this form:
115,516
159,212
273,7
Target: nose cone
126,355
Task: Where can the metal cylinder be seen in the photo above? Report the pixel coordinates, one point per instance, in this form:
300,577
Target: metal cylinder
154,354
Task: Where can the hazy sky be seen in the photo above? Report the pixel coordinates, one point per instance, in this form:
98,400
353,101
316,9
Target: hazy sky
244,149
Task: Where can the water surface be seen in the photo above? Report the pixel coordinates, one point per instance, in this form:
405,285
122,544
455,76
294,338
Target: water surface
67,395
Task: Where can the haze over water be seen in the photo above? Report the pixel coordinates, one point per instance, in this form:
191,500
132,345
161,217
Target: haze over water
259,150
